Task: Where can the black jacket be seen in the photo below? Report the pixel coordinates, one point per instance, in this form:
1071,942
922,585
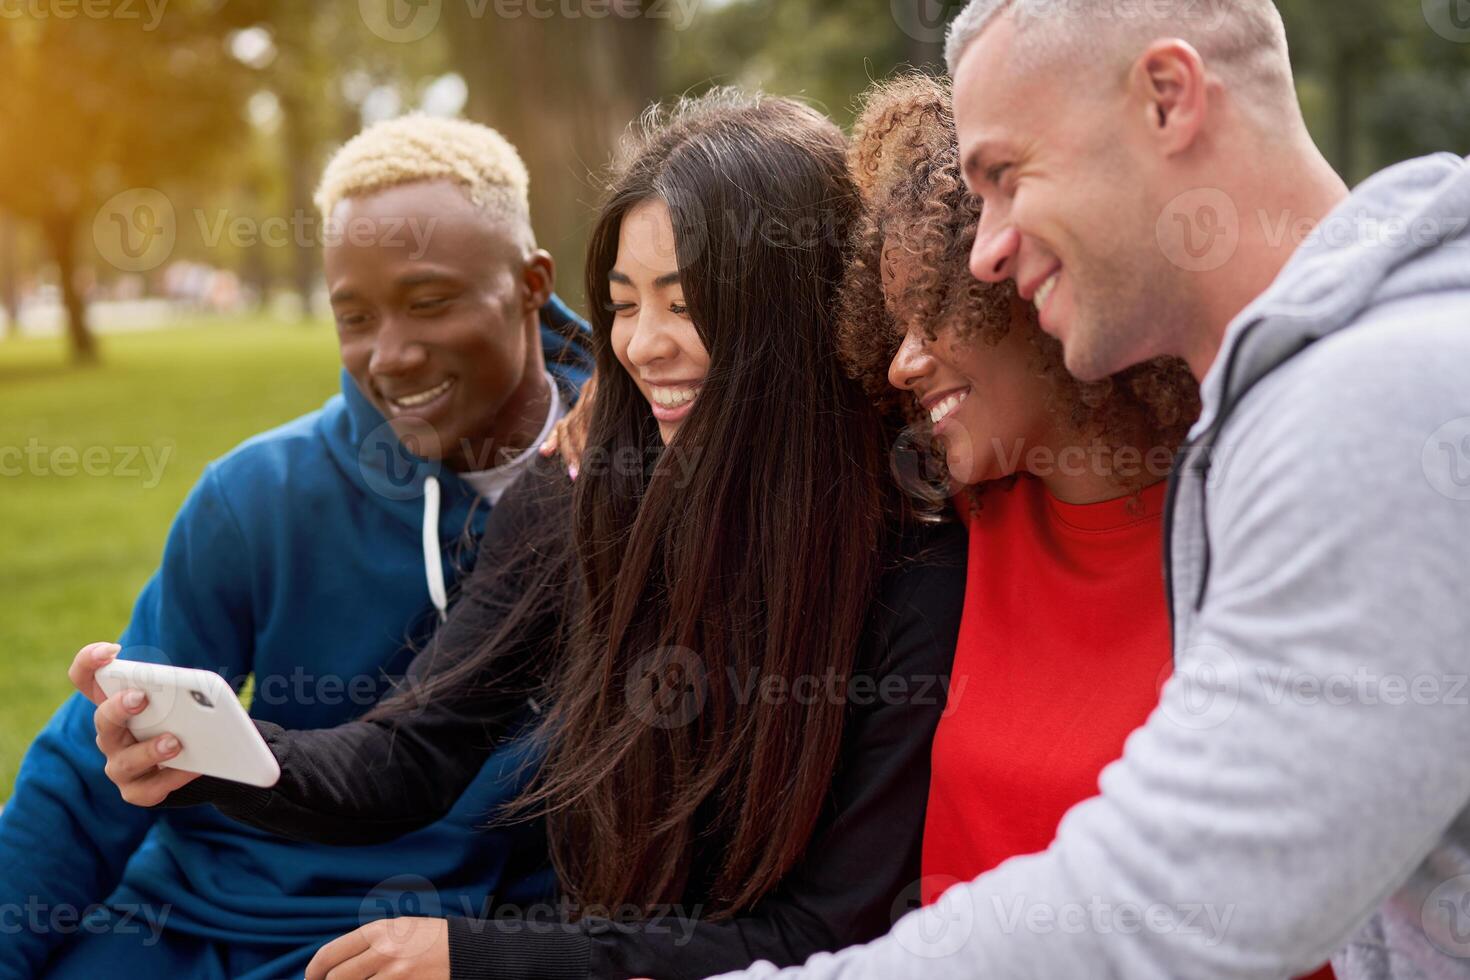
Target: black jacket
367,782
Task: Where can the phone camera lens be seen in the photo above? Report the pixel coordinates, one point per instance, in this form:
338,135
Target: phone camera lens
199,697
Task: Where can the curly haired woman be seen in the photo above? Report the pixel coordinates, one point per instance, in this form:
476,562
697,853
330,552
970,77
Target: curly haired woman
1064,641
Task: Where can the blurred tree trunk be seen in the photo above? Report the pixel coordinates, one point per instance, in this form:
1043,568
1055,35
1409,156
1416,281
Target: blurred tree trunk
60,230
302,70
298,144
1345,72
255,263
562,90
9,290
1345,46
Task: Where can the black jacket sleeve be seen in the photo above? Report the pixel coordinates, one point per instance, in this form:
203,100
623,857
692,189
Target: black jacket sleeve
864,857
370,781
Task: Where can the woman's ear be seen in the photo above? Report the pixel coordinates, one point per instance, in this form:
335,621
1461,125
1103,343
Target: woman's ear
539,275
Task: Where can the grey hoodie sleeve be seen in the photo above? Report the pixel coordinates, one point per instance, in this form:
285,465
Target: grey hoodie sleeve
1314,747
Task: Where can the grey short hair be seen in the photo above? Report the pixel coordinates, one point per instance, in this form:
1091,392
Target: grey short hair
1244,40
976,16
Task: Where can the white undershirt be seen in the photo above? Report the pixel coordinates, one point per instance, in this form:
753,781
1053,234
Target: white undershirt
493,482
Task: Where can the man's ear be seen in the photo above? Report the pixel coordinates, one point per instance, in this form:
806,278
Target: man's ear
539,275
1168,82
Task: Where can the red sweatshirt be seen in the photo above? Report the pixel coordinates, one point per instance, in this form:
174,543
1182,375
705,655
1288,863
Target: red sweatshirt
1064,644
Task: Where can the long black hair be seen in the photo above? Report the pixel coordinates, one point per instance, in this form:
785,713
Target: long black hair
748,547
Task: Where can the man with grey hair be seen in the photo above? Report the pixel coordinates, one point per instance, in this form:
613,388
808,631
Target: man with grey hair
1303,788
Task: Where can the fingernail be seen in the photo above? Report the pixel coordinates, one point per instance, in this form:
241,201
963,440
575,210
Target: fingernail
572,471
132,699
168,745
105,652
545,449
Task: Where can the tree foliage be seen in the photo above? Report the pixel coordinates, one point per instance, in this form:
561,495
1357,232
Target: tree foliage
98,105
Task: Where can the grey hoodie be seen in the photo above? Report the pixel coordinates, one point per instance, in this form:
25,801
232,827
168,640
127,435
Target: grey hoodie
1303,788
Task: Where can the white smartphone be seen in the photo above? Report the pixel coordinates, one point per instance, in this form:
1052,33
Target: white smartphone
199,708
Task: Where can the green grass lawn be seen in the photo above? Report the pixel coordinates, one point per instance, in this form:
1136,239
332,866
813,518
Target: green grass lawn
75,549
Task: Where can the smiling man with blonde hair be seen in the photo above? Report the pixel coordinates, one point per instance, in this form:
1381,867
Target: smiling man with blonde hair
1303,788
314,559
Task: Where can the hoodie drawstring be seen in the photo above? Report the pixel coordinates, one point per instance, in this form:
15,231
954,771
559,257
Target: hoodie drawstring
433,560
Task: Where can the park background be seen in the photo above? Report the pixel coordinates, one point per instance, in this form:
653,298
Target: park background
160,296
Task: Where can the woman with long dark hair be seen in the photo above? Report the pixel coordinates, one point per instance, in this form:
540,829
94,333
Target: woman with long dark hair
725,644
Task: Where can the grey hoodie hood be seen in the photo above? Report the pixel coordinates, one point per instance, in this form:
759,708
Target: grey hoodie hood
1404,232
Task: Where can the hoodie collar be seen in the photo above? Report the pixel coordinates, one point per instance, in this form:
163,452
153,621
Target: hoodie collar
369,453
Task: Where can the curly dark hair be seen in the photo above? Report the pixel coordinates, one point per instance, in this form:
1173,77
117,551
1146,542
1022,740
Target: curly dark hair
905,159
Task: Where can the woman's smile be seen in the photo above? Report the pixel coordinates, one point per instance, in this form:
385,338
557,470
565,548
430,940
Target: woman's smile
672,401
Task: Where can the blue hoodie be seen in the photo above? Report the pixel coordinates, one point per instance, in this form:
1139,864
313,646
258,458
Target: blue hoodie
298,558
